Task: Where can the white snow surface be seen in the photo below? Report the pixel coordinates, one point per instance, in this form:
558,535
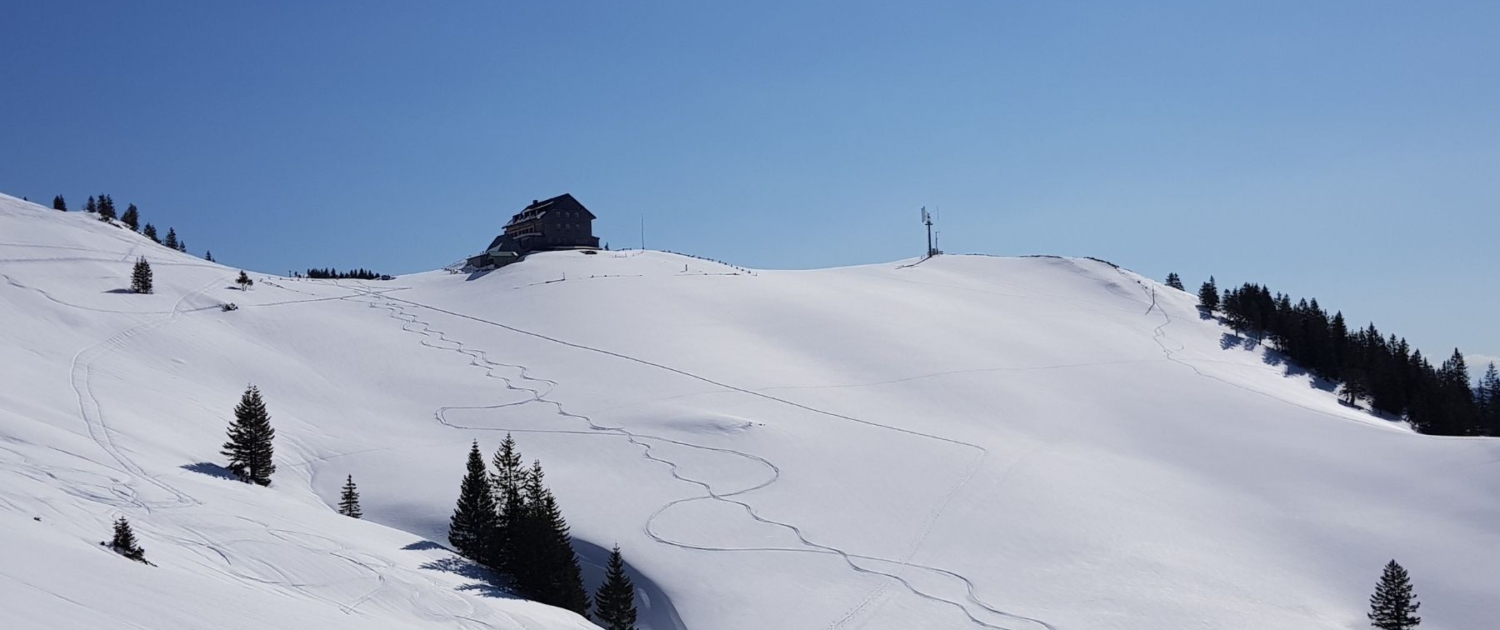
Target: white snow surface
962,442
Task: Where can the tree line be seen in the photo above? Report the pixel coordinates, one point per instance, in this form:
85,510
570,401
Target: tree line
1383,369
334,274
104,208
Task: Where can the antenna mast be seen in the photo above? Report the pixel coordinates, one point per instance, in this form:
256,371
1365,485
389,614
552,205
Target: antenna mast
927,221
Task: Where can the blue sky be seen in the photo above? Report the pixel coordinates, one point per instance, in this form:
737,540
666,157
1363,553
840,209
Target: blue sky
1348,150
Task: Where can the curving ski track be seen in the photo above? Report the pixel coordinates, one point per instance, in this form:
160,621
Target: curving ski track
538,394
81,372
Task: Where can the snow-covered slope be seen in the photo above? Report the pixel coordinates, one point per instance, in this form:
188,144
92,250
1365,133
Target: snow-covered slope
968,442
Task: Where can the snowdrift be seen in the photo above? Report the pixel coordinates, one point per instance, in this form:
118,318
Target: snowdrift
962,442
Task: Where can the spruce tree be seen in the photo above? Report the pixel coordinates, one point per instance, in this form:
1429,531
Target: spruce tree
472,528
131,218
1455,412
349,500
124,543
1175,282
1393,607
182,246
140,276
208,255
171,240
1208,295
106,208
1489,401
614,603
552,575
150,232
58,203
1355,387
249,448
526,560
506,483
90,206
244,281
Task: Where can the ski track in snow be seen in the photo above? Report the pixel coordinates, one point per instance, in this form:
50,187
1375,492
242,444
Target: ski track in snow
479,358
119,492
125,258
19,285
81,373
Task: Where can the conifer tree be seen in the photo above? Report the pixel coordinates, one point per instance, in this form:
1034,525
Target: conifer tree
1489,401
90,206
526,560
1393,607
58,203
106,208
182,246
140,276
614,603
551,574
171,240
244,281
249,448
150,232
1355,387
208,255
124,543
565,578
1208,295
1175,282
131,218
472,528
507,482
1457,414
349,500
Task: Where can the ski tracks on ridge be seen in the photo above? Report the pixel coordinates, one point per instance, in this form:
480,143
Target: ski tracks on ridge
537,391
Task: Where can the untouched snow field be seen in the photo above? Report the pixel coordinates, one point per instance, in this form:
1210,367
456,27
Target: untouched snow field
968,442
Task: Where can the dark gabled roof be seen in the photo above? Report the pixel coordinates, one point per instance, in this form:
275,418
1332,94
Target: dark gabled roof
564,201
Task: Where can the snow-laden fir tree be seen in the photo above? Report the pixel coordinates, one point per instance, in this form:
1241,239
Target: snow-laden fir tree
171,240
124,543
131,218
349,500
249,448
140,276
507,482
1175,282
58,203
1393,606
150,232
472,528
244,281
614,603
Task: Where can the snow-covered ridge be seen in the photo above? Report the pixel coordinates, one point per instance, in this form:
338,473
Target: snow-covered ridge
967,442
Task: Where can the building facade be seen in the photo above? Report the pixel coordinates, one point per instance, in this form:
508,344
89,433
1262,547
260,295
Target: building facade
557,223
